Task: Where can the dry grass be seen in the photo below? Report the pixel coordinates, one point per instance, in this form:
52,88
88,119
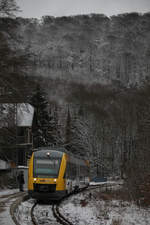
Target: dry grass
113,195
116,222
83,203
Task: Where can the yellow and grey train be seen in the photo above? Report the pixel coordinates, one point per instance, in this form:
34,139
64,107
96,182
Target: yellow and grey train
53,173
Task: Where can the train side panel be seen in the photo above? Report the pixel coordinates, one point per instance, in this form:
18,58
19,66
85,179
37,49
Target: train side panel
30,174
61,181
77,174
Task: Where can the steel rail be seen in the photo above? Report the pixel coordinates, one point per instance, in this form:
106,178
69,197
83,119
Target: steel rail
32,214
55,207
60,218
21,197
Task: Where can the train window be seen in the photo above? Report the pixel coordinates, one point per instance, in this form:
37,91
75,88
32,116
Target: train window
71,170
46,167
83,171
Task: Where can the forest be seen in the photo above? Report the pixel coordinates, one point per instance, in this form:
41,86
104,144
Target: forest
88,78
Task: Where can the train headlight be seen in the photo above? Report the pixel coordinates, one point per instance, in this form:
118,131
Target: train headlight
55,180
48,154
34,179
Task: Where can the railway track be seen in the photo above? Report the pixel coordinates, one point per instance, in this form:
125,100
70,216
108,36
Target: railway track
9,196
32,215
44,214
49,214
60,218
8,203
55,209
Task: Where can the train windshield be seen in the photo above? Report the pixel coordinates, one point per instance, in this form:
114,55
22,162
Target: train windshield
46,167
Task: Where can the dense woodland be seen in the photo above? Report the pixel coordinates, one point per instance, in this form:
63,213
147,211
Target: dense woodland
91,48
88,77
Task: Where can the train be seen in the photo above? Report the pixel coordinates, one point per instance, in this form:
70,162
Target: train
53,173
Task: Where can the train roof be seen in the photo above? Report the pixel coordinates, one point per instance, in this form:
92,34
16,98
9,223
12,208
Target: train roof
55,151
59,149
43,153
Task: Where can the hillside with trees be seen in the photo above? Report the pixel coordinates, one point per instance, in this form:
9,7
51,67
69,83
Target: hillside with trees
91,48
94,92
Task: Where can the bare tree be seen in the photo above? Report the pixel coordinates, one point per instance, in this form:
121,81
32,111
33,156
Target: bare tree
8,7
88,139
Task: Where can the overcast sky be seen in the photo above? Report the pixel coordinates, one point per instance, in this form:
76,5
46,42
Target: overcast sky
39,8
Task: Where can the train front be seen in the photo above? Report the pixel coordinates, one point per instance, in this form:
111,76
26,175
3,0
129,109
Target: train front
46,175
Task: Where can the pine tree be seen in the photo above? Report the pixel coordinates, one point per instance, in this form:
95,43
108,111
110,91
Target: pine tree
8,7
53,130
68,129
42,120
70,134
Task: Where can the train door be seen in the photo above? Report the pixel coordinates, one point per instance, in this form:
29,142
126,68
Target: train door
68,177
77,174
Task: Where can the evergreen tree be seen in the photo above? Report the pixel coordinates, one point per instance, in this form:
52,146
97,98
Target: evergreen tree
54,127
42,120
8,7
68,130
71,133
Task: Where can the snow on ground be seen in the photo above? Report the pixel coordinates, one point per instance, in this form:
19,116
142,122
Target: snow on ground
43,213
8,191
96,208
5,217
115,183
84,209
23,212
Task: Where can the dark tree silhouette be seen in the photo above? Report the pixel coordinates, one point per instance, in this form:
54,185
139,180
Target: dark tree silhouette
42,120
